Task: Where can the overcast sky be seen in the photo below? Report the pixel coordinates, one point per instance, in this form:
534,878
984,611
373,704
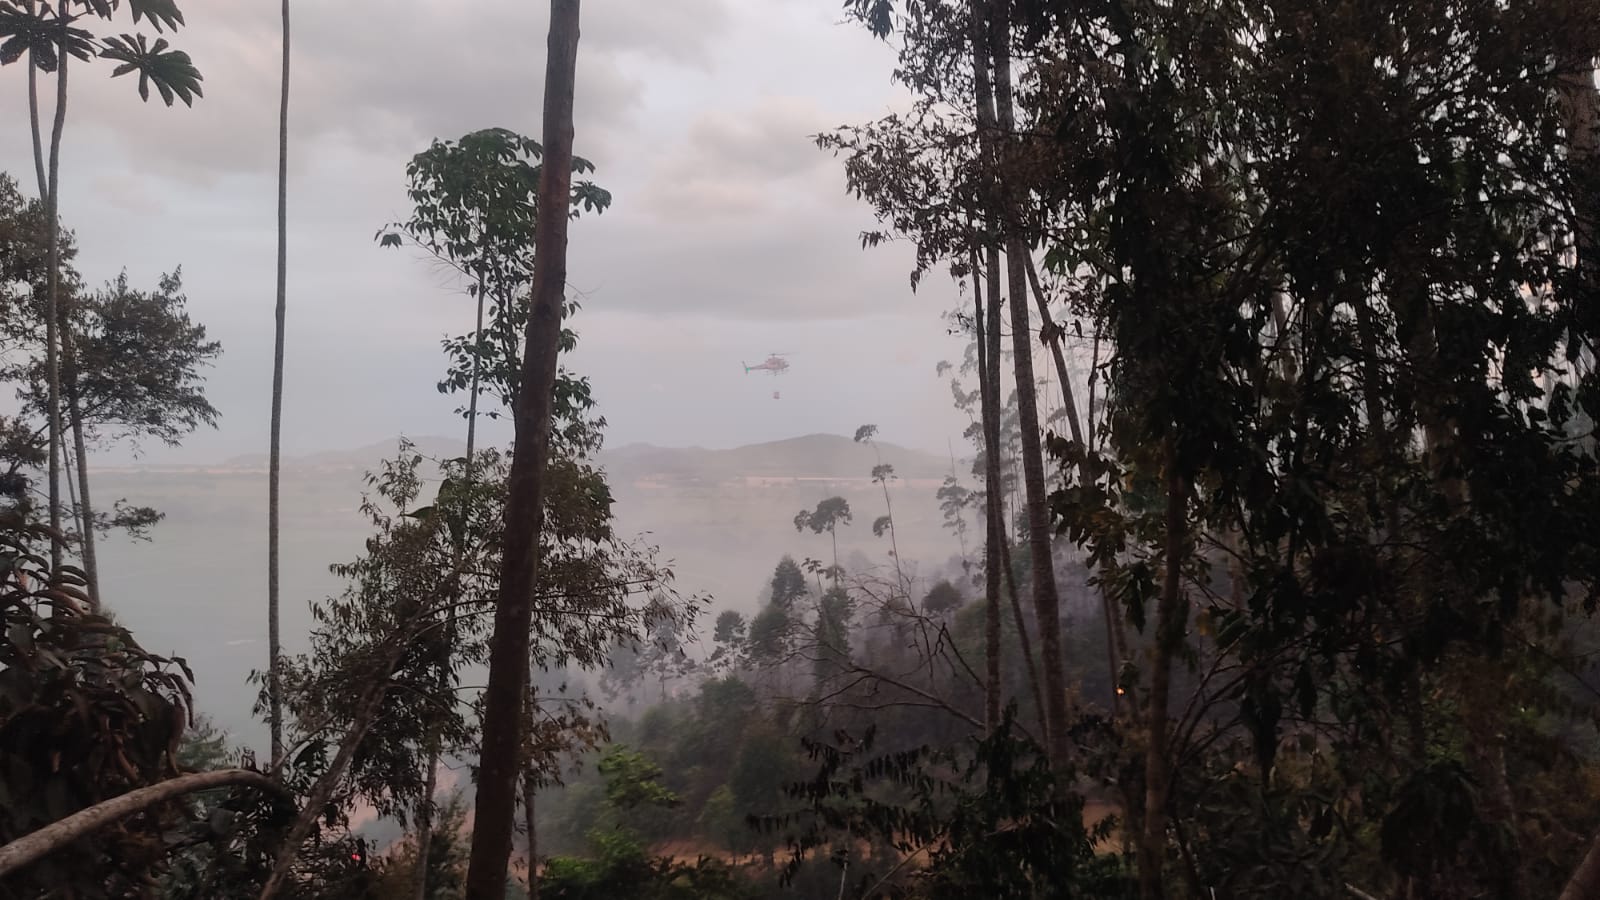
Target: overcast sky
731,235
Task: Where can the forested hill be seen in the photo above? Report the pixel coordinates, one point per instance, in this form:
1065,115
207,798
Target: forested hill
722,516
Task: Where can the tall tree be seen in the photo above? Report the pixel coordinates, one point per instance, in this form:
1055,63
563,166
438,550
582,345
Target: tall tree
475,205
828,515
48,36
882,474
986,329
138,359
1014,195
960,190
275,451
1388,225
499,762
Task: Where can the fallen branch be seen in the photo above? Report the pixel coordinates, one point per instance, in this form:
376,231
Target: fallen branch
52,837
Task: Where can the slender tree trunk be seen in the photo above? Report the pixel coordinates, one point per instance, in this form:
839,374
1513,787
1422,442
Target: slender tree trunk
472,392
1053,337
69,466
275,454
1051,333
995,459
508,656
987,329
530,791
425,809
1168,637
894,541
1094,378
425,822
52,336
1022,631
1046,598
992,516
80,449
33,122
36,845
322,792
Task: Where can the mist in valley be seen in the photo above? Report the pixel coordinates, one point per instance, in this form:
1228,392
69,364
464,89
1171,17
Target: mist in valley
721,517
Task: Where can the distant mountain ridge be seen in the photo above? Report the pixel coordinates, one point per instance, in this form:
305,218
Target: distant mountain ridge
808,456
358,457
812,455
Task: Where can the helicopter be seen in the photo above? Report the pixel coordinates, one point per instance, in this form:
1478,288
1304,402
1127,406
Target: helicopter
775,364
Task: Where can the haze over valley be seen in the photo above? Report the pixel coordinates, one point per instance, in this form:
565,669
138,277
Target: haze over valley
721,516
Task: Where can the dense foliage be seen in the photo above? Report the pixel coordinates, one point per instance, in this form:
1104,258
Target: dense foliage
1297,601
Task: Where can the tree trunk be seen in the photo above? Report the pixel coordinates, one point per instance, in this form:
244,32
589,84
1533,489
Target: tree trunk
472,392
1046,598
425,811
894,540
987,330
323,791
275,453
33,123
529,807
1094,377
52,337
1168,637
425,823
33,846
1022,632
69,357
1052,335
992,515
508,653
69,466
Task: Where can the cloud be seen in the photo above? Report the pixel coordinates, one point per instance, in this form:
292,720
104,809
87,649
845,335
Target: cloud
796,263
731,235
740,164
384,75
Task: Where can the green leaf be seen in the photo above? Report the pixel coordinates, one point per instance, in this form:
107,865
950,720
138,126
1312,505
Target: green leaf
161,13
172,72
24,33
